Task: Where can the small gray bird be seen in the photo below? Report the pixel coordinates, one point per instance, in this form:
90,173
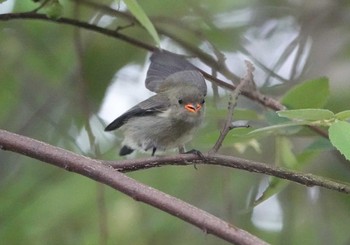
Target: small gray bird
168,119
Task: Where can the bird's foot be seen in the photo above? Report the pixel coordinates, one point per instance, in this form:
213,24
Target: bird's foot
154,149
195,152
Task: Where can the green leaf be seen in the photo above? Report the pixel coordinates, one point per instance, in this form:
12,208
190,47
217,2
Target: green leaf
310,94
307,114
54,10
273,128
313,150
339,135
343,115
320,145
140,15
275,186
285,157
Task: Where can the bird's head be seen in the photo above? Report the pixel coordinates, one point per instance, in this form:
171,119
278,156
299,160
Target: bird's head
186,102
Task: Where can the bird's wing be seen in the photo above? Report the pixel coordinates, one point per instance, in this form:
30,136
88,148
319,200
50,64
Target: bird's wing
165,66
153,105
185,78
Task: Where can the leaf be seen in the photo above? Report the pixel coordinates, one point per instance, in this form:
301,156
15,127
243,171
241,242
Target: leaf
320,145
309,94
272,128
140,15
285,157
343,115
275,186
313,150
339,135
307,114
54,10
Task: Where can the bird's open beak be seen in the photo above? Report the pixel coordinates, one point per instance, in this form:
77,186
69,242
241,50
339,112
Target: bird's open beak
193,107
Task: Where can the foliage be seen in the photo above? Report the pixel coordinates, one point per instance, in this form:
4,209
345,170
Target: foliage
140,15
339,134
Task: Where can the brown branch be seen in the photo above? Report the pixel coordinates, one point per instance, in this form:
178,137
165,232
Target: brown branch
253,95
248,78
256,96
81,24
305,179
105,174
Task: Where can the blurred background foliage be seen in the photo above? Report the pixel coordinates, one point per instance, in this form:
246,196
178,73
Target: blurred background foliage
61,84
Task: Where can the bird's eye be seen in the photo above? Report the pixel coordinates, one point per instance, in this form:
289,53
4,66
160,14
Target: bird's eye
180,101
203,101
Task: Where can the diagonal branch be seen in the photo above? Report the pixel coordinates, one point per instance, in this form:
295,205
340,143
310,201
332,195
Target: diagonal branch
100,172
78,23
264,100
256,96
248,78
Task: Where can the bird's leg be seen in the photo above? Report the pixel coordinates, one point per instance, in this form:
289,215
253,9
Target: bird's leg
196,152
153,151
181,149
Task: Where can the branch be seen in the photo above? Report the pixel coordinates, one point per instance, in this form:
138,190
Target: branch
100,172
81,24
306,179
253,95
248,78
256,96
264,100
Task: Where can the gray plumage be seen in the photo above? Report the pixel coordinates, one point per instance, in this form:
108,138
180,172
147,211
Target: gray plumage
168,119
168,70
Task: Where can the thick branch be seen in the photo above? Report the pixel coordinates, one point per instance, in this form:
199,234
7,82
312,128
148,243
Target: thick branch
95,170
231,162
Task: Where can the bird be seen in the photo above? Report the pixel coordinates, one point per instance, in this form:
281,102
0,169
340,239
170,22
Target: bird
168,119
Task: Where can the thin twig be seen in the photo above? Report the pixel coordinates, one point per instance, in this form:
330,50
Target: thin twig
298,56
40,6
231,106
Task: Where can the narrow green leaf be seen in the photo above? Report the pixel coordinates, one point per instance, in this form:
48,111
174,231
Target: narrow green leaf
273,128
309,94
313,150
320,145
287,156
339,135
275,186
343,115
284,157
307,114
140,15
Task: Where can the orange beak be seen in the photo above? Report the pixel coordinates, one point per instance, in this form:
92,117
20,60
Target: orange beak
193,108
